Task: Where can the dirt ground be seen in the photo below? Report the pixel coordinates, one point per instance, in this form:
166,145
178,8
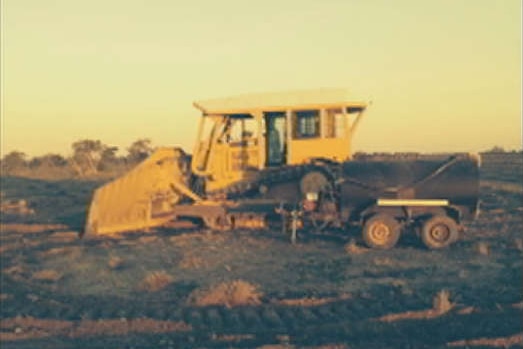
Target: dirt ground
187,287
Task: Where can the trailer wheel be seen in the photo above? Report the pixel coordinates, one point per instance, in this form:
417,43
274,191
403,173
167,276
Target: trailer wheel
439,232
381,231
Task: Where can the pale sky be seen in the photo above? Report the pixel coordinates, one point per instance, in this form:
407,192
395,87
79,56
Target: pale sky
443,75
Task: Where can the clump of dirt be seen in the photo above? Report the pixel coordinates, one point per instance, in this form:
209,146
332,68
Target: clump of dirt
230,294
502,342
312,301
47,275
155,281
440,305
352,248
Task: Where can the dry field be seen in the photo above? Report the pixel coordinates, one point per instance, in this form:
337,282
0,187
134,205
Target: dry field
184,287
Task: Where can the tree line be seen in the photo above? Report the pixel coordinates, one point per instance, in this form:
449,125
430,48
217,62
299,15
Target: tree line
94,159
89,158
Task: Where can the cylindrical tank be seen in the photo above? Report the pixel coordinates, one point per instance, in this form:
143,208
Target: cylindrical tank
454,178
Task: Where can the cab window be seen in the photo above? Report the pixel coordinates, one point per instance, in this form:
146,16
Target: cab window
307,124
243,130
334,123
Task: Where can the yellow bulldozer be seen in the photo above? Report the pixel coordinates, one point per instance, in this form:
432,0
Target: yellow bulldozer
263,154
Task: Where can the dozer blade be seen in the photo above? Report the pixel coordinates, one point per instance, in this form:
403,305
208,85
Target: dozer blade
142,198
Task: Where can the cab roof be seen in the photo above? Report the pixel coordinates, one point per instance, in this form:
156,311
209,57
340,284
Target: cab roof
280,101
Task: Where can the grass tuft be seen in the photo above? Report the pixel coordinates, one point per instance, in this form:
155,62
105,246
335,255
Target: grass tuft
230,294
441,302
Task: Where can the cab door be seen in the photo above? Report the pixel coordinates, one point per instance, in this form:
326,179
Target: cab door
275,139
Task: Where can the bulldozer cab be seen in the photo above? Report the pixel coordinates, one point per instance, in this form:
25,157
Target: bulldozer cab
226,149
240,136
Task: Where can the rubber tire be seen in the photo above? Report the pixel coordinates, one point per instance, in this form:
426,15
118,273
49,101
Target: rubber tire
381,221
450,231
